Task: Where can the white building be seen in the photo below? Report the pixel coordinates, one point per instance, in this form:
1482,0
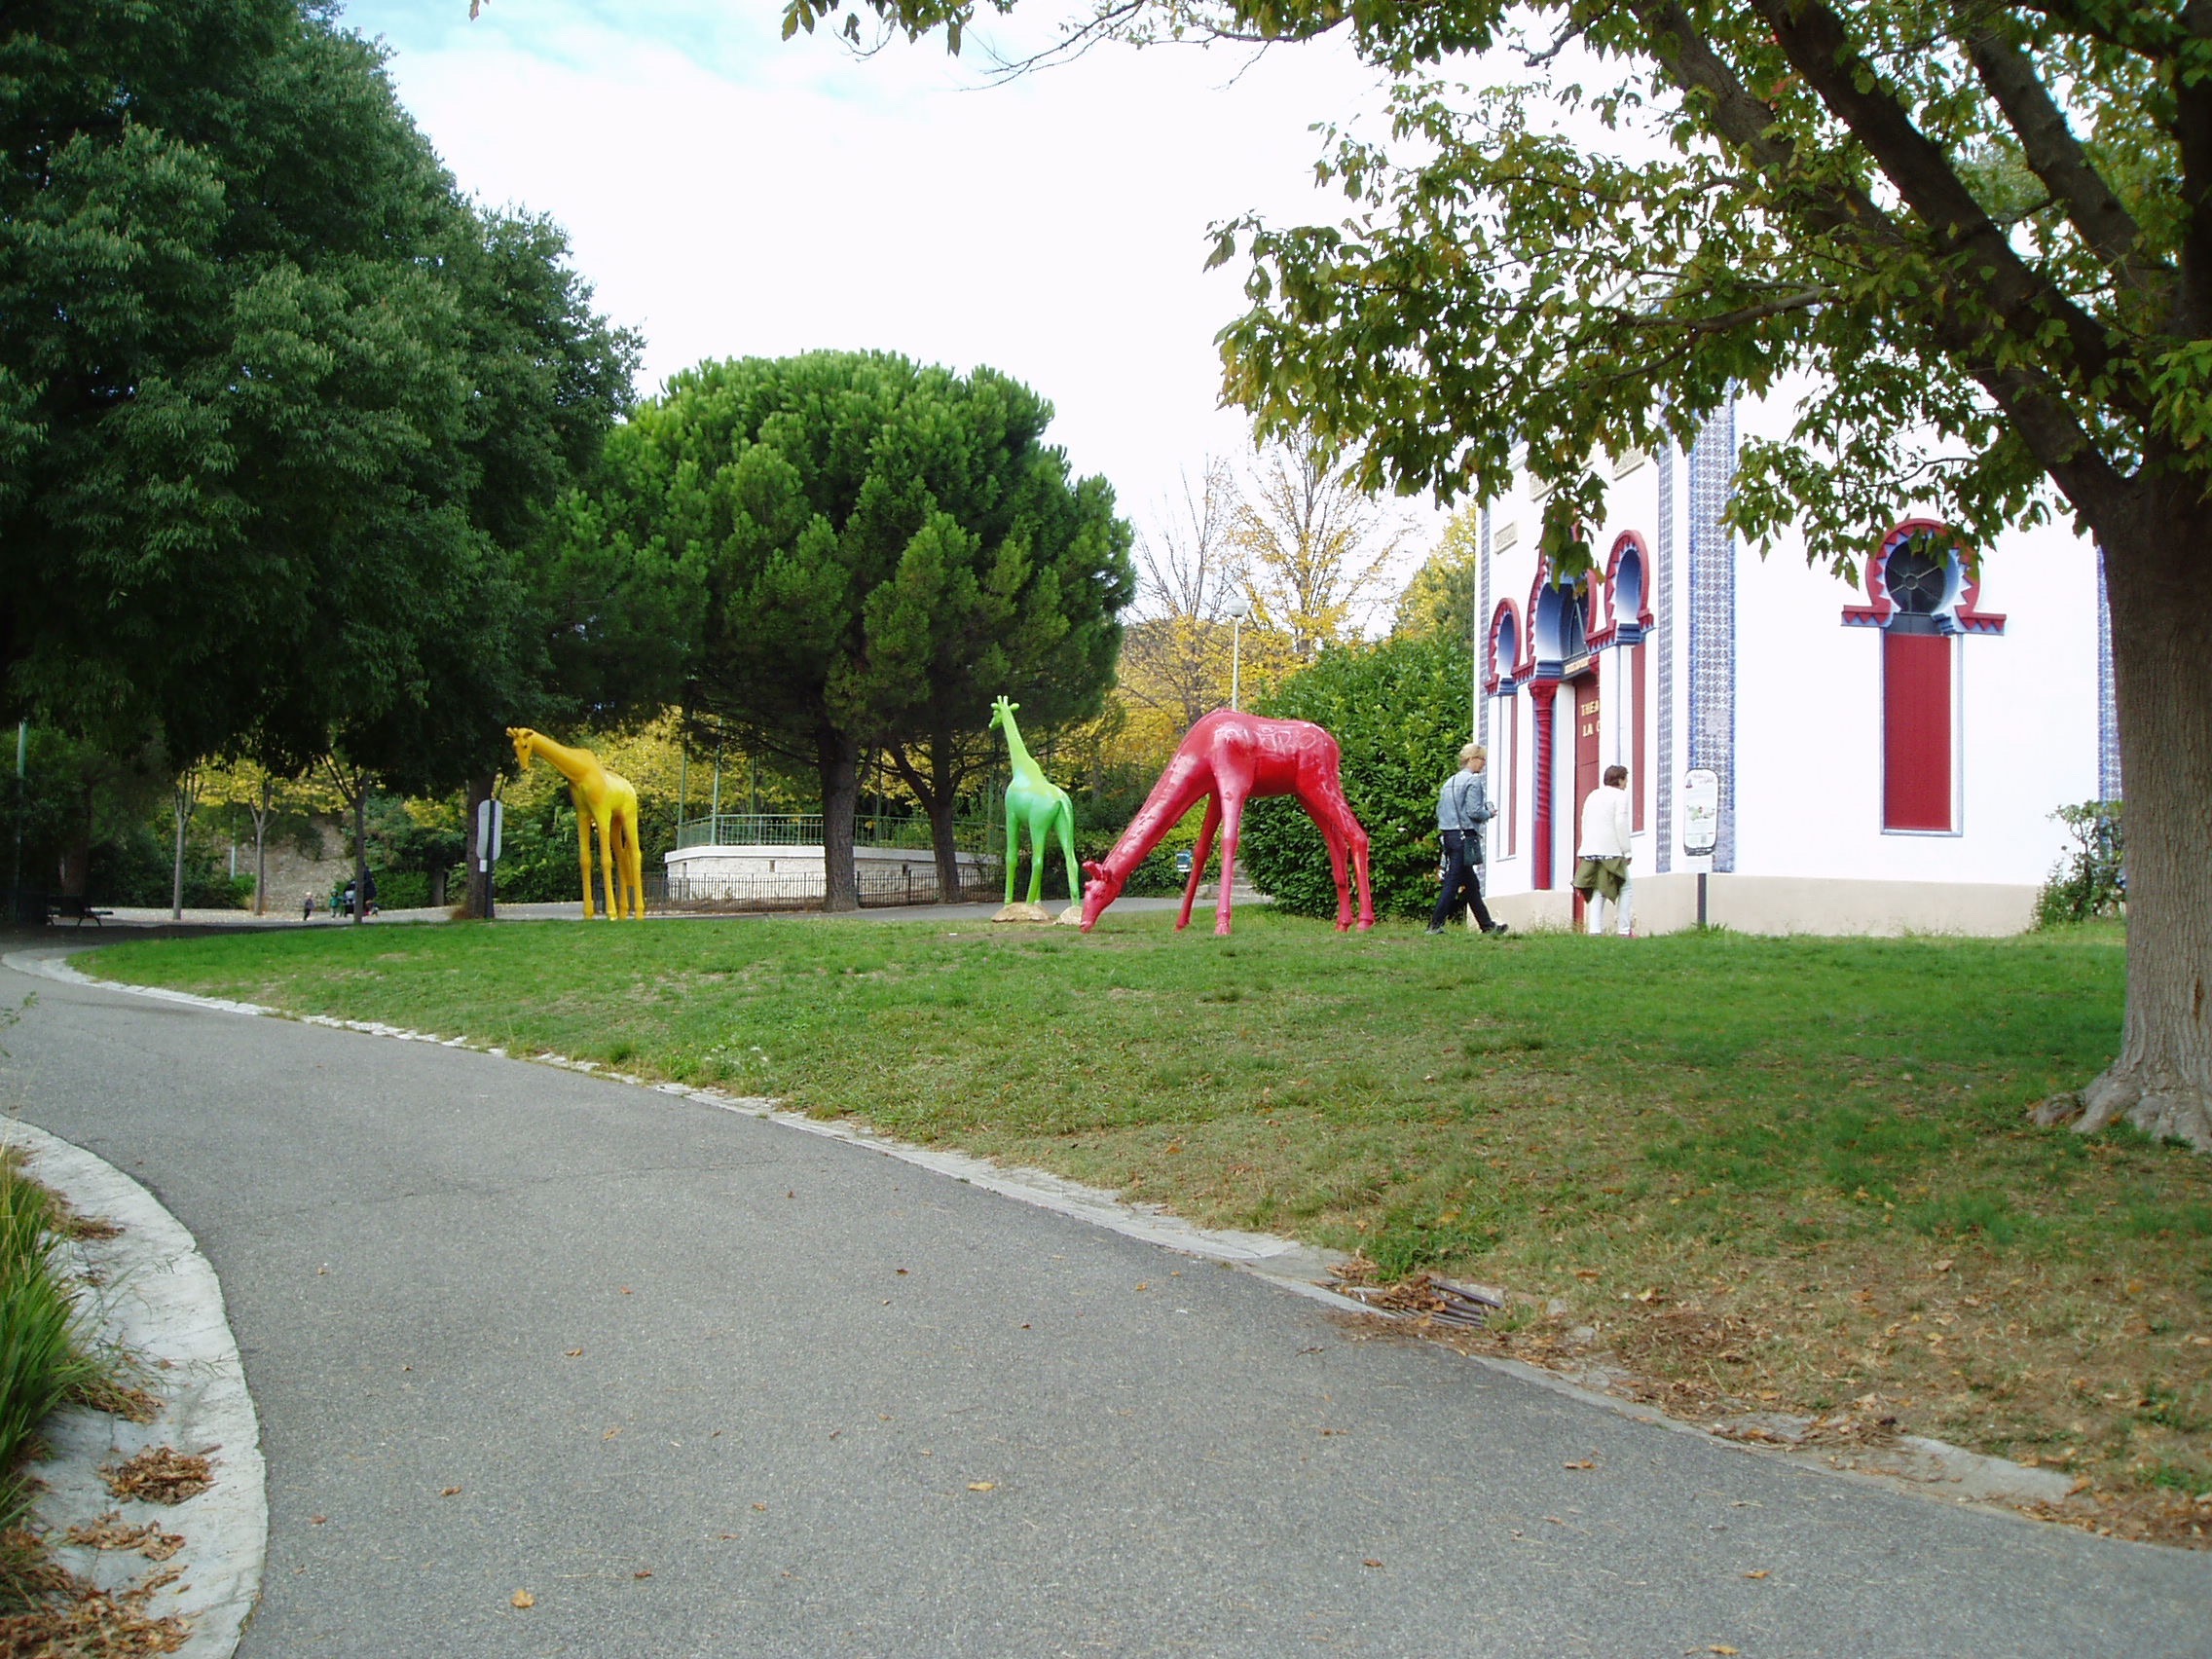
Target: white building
1888,758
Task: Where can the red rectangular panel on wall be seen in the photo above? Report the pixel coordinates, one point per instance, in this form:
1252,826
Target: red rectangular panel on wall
1916,731
1512,776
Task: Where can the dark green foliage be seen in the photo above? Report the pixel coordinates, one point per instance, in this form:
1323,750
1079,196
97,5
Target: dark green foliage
134,864
538,855
278,408
1399,712
2090,881
100,824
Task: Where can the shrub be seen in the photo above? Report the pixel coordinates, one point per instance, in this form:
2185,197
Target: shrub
2090,880
41,1360
1398,710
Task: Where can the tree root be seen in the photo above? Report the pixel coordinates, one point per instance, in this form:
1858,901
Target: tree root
2160,1103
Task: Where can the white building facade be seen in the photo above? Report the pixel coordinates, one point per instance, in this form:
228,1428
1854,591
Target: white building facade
1888,756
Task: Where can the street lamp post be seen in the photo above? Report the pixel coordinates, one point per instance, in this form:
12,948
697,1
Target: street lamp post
1238,610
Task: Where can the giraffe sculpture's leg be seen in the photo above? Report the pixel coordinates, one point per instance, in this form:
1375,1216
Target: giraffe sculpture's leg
633,864
619,861
1199,856
1333,836
583,849
1012,846
1063,819
1231,822
605,820
1040,838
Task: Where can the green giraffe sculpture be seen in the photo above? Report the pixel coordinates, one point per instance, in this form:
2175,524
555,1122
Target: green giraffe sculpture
1034,799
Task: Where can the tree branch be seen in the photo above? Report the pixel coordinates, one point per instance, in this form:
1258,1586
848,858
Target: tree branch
2050,429
2141,30
2057,158
1813,38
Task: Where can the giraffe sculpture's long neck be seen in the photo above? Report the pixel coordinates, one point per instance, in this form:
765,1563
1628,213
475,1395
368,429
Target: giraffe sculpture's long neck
1188,779
1019,754
571,763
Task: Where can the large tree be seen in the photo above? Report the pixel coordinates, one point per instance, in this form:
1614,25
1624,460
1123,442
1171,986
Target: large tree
280,411
882,547
1981,232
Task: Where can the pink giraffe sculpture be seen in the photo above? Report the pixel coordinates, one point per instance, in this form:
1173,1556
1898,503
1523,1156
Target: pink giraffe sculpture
1232,757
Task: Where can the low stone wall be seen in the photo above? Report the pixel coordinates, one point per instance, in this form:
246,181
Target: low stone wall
795,874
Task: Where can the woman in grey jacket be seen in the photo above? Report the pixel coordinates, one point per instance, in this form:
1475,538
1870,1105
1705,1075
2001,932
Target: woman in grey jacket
1462,808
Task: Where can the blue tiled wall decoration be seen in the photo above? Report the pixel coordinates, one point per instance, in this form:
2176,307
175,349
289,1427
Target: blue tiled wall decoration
1713,617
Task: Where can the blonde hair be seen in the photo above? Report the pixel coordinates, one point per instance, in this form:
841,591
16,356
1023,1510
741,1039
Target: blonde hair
1473,752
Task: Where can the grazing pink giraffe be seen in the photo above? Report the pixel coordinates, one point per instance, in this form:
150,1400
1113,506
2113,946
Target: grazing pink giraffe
1232,757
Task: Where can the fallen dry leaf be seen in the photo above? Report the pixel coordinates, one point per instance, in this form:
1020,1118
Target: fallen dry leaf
643,1573
572,1353
317,1520
1370,1562
2081,1483
109,1532
1761,1573
983,1486
761,1507
159,1474
450,1491
1585,1463
523,1599
1722,1649
612,1433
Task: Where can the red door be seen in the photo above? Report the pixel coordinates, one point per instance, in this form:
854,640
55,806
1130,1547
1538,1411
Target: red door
1587,769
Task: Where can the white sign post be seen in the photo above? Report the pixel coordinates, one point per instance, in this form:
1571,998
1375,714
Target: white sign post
491,819
1701,826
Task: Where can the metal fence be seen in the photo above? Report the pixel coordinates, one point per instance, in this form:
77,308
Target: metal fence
878,889
804,829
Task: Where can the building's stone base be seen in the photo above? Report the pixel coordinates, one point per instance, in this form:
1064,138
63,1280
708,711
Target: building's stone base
1796,905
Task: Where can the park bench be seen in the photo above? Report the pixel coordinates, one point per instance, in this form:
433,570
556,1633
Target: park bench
77,909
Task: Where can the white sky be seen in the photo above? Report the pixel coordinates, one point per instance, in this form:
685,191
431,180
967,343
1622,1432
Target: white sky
729,193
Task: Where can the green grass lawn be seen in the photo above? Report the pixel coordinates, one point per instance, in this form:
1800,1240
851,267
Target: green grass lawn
1794,1173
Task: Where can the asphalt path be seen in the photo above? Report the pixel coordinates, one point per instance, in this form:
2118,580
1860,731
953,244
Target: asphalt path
712,1387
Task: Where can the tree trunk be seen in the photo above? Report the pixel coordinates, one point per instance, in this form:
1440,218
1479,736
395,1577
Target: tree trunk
181,811
942,804
184,796
361,851
2161,637
261,845
939,795
479,881
839,759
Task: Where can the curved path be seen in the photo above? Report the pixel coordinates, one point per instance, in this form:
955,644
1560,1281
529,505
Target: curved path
709,1386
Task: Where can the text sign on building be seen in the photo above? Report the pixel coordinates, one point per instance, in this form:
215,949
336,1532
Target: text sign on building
1701,811
490,818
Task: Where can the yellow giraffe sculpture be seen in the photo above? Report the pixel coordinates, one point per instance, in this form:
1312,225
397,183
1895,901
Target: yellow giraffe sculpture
604,800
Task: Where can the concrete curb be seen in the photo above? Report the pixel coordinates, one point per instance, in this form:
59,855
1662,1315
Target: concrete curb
150,1293
1916,1465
